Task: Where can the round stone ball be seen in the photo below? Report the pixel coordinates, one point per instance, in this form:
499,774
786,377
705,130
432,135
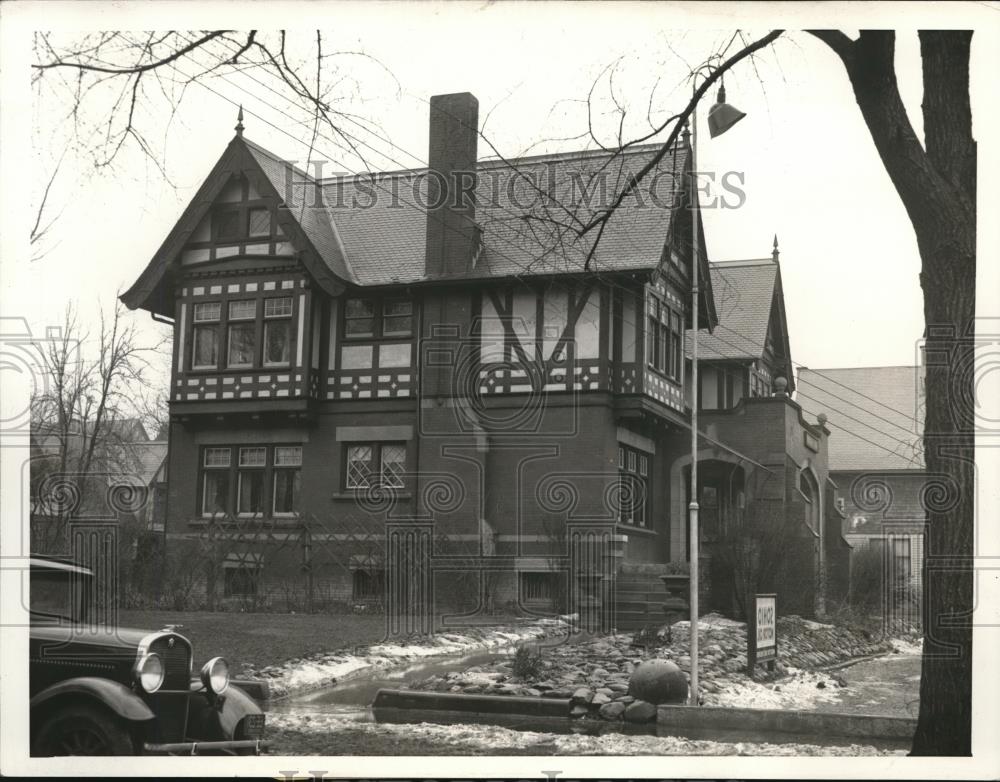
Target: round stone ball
658,681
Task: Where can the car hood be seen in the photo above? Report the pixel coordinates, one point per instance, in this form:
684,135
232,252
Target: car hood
112,637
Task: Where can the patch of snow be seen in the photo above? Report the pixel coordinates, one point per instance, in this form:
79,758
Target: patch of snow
483,738
816,625
906,646
711,620
300,675
797,691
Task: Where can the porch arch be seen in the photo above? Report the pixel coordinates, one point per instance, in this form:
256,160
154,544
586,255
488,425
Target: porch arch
678,504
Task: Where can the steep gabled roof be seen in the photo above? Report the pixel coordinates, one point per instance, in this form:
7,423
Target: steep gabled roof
346,236
310,230
875,415
750,303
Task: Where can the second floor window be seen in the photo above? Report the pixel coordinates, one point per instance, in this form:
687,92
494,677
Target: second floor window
378,319
242,335
664,339
375,464
235,329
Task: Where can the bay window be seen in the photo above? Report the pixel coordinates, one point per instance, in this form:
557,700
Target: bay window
255,336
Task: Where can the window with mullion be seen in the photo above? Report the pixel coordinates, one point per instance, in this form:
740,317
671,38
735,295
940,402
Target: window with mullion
250,481
633,477
370,465
278,331
370,319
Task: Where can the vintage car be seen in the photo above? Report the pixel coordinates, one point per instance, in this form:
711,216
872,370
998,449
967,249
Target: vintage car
99,689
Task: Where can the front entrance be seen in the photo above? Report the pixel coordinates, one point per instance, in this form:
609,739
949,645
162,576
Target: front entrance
722,502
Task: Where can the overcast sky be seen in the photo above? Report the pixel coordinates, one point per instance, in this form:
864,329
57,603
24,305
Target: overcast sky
811,173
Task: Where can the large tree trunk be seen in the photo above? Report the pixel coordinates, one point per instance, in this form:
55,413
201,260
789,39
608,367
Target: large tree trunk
937,185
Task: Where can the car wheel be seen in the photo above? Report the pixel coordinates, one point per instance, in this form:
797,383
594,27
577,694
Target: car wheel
83,730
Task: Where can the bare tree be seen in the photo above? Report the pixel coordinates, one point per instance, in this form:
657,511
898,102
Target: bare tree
84,423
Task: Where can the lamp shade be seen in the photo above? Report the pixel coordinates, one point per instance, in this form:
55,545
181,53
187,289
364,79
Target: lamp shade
722,116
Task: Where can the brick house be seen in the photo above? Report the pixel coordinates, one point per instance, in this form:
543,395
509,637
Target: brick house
371,398
876,459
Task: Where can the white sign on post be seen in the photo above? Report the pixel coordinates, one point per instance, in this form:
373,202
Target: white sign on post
767,637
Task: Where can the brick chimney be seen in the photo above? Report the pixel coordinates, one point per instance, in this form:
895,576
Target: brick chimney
453,237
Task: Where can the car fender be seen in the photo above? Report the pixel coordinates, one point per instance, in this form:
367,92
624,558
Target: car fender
117,697
208,719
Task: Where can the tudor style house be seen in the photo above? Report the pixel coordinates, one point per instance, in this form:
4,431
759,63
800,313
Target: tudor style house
363,364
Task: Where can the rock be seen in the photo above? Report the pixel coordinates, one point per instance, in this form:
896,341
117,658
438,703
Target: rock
600,699
578,711
472,689
612,711
840,680
599,672
640,711
820,685
533,692
658,681
582,695
626,699
618,687
605,691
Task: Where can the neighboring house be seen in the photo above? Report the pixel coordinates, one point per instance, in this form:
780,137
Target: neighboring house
876,416
123,478
360,384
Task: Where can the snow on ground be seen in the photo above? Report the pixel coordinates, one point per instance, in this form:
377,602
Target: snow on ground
908,646
711,620
490,737
798,690
301,675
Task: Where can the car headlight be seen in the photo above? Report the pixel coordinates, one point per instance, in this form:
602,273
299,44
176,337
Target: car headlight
215,675
149,671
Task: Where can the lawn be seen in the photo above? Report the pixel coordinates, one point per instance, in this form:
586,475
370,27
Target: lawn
261,639
265,639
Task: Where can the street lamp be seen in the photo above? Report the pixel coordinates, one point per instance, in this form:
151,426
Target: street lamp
721,117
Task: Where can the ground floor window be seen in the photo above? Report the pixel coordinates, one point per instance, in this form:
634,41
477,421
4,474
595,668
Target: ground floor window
633,489
375,464
250,481
368,584
539,587
241,580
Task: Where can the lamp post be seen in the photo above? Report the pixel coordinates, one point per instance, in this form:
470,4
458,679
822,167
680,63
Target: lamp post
721,117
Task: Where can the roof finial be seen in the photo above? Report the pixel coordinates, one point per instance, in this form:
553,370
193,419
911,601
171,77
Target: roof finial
774,251
239,122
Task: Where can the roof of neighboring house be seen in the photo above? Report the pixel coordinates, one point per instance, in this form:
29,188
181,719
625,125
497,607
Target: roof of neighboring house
379,241
875,415
149,458
746,293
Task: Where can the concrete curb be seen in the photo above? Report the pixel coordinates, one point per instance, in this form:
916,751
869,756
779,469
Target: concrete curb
387,701
817,723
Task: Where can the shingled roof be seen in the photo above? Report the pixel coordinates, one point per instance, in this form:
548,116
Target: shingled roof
521,235
746,293
875,415
525,207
